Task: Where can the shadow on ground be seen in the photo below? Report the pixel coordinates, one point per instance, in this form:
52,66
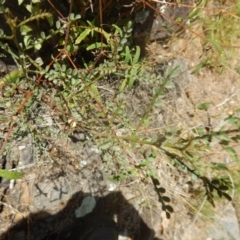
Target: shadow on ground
61,226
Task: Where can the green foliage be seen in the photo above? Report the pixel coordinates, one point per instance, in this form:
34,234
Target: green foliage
71,85
10,175
188,153
221,32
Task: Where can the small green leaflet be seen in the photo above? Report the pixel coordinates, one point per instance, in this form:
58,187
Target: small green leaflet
199,66
11,77
20,2
123,85
132,59
128,56
172,151
232,153
87,31
10,175
216,45
136,56
204,106
96,45
172,72
82,36
220,166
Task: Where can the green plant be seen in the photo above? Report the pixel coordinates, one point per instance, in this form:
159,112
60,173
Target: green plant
221,31
76,90
69,84
10,175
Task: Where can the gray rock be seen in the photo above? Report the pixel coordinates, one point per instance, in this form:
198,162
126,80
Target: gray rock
48,195
86,207
225,226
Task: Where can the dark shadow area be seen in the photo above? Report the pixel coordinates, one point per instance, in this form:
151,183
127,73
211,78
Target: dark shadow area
115,12
61,226
151,22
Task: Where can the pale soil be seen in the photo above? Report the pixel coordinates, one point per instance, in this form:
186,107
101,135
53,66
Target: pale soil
221,90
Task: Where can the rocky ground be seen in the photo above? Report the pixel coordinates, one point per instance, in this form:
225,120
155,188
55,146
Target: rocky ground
62,188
